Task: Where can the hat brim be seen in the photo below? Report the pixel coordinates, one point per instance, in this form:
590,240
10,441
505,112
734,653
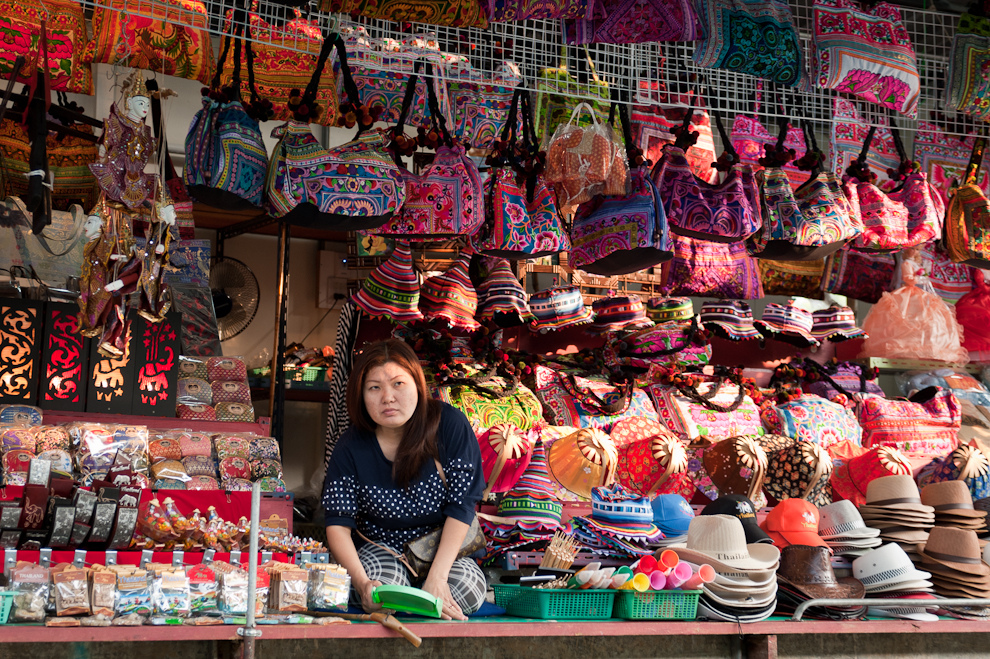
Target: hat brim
862,533
895,586
794,336
754,534
967,513
903,613
839,335
906,537
946,571
953,590
864,543
743,599
979,569
712,613
553,324
843,588
803,538
732,332
762,557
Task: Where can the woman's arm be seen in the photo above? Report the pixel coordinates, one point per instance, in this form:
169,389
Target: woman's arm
342,547
451,539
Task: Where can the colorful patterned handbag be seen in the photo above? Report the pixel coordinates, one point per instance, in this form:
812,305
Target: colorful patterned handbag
485,407
521,217
926,424
967,223
756,37
168,37
351,187
815,419
588,402
705,269
674,342
454,13
708,412
722,212
844,378
284,59
616,235
634,21
943,158
864,50
792,278
966,86
653,127
226,160
65,25
481,102
500,11
446,199
858,275
849,132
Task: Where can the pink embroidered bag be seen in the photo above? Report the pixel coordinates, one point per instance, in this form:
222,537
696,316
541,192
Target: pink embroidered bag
446,199
928,423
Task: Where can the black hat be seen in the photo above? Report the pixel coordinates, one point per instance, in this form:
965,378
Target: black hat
742,508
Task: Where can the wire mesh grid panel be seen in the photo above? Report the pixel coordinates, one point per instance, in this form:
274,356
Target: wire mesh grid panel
631,69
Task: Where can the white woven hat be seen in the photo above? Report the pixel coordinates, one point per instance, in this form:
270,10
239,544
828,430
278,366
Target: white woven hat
720,541
885,566
841,520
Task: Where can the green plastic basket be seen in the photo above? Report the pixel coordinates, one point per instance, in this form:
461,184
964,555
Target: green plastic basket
6,604
553,603
657,605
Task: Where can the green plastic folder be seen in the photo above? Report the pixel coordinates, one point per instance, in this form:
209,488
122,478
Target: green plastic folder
408,600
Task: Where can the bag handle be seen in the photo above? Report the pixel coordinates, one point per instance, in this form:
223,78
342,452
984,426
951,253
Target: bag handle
813,158
575,113
729,157
689,338
691,392
975,160
436,118
858,169
592,400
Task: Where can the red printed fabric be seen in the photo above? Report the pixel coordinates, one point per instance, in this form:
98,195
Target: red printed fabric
944,158
849,131
908,217
652,128
929,428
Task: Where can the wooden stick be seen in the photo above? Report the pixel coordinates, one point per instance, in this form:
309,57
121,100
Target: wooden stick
386,620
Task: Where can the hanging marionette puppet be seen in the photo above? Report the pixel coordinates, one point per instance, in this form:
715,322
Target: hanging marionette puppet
113,267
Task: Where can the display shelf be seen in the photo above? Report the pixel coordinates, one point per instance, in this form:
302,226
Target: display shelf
898,365
259,427
219,219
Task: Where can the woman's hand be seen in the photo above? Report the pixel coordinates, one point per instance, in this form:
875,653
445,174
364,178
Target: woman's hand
438,587
364,590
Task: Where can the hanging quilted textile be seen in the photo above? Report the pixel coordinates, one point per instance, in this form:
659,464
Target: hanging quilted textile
20,23
967,88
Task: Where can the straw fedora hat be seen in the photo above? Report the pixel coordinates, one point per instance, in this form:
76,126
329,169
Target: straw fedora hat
951,497
720,541
898,492
955,548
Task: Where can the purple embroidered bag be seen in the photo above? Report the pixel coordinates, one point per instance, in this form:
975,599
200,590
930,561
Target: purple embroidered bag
636,21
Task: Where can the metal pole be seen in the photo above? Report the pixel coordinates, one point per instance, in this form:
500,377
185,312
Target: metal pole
248,631
276,394
877,601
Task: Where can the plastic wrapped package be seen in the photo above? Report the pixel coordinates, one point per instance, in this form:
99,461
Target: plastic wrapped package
61,461
102,591
71,589
233,446
226,369
266,469
164,447
194,391
584,161
913,323
202,483
234,412
973,314
329,587
195,412
200,465
200,336
169,470
234,467
132,443
100,446
234,592
155,524
16,461
193,367
133,592
17,438
170,594
264,448
51,438
31,582
21,415
203,590
231,392
195,443
962,384
269,484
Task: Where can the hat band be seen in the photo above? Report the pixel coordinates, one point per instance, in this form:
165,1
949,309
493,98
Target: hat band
959,505
886,575
891,502
952,559
842,528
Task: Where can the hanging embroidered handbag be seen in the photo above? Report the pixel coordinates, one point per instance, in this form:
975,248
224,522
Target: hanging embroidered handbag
927,423
351,187
284,59
792,278
673,342
967,223
755,37
484,407
944,157
849,132
167,37
453,13
521,217
845,378
481,102
65,25
966,86
446,200
634,21
653,127
725,212
701,268
616,235
858,275
500,11
752,141
864,50
226,160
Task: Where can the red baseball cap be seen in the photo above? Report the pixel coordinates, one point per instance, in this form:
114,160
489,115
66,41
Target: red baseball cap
793,522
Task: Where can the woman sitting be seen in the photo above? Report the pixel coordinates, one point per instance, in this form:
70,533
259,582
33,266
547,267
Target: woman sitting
407,465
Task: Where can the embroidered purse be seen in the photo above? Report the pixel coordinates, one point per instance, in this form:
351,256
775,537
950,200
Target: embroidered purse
864,50
751,140
702,268
65,25
849,133
673,342
454,13
755,37
800,471
653,127
348,188
619,234
724,212
926,424
485,408
967,223
792,278
634,21
858,275
814,419
284,59
168,37
481,102
966,88
944,157
521,216
711,411
846,378
226,160
579,402
446,200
